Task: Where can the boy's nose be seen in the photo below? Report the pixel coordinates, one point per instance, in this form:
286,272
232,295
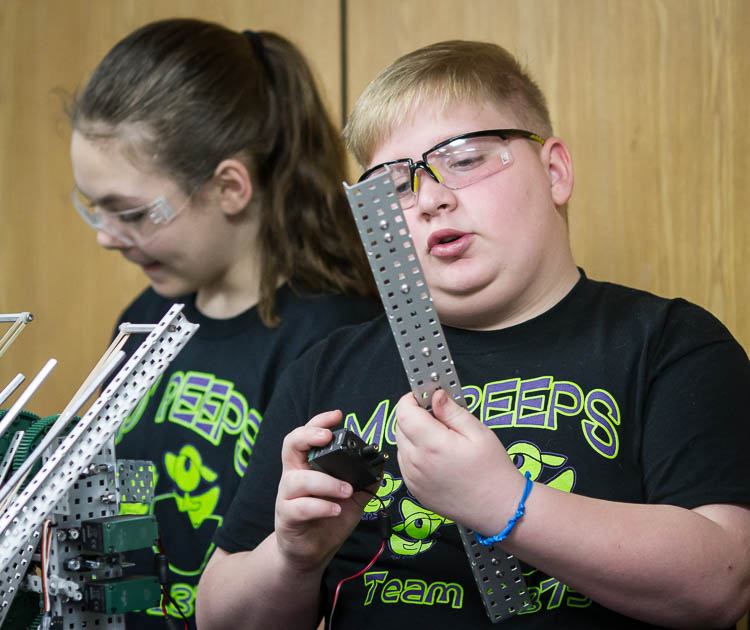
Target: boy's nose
433,198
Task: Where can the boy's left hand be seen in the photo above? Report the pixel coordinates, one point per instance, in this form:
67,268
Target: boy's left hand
454,465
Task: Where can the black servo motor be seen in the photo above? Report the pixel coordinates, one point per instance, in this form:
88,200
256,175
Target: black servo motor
349,458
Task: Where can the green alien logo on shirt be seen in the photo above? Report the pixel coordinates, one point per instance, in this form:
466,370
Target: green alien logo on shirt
415,533
187,471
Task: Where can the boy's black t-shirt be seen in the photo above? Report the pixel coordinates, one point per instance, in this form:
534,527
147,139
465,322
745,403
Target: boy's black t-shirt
613,393
199,422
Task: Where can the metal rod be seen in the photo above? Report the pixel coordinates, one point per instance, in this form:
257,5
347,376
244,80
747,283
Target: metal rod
26,395
114,347
26,317
9,454
11,387
136,328
10,336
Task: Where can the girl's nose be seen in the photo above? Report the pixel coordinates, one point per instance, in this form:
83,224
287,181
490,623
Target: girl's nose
108,241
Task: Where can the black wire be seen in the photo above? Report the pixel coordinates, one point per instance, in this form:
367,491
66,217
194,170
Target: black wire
174,602
165,591
375,496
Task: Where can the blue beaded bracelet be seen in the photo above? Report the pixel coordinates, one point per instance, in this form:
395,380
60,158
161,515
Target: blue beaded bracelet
512,522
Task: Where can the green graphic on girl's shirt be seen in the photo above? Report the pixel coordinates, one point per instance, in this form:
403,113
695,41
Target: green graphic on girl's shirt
187,470
208,406
214,411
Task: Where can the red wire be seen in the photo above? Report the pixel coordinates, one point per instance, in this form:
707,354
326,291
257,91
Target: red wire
351,577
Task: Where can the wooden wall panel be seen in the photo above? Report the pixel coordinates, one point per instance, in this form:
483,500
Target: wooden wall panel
651,97
50,263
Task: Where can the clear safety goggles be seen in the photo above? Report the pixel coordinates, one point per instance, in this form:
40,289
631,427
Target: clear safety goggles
133,226
456,162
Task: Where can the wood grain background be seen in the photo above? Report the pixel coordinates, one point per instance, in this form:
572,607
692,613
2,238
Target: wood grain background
650,95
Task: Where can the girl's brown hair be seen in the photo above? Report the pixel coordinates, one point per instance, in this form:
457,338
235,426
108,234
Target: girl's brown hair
199,93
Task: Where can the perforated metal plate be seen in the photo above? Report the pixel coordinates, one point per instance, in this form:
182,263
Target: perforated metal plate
426,359
13,573
91,496
136,480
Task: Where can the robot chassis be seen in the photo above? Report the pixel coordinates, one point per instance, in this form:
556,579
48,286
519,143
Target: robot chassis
61,534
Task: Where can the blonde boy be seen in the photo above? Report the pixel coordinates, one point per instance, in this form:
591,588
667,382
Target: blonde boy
627,411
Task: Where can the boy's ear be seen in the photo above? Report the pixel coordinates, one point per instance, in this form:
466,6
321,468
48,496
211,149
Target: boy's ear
559,166
234,185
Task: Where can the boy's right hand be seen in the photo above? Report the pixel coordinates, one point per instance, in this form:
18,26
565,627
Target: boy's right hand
315,512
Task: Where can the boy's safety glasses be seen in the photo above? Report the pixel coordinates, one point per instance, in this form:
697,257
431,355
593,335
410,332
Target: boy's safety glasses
133,226
456,163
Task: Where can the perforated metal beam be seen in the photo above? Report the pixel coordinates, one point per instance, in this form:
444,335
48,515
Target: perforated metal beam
426,359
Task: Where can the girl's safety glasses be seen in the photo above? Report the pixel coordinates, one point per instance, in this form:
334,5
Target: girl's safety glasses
133,226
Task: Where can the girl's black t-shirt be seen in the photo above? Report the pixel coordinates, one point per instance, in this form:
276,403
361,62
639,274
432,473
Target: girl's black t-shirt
198,424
